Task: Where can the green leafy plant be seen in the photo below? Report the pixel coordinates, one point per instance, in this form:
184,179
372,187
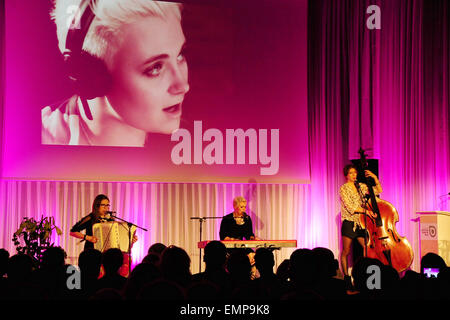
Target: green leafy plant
34,237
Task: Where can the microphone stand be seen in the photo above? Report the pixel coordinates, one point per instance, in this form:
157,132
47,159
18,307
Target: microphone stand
201,220
129,224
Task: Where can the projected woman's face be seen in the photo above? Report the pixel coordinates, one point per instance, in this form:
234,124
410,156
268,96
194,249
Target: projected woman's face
150,74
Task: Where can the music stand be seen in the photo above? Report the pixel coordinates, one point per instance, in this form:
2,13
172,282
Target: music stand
201,220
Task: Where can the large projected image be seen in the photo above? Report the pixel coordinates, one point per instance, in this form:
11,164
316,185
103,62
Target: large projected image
129,71
144,90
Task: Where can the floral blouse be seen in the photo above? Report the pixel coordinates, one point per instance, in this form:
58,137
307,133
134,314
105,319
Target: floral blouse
350,201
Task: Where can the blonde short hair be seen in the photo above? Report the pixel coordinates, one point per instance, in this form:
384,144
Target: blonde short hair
238,200
103,37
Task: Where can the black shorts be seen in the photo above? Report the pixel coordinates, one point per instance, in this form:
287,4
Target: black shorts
347,230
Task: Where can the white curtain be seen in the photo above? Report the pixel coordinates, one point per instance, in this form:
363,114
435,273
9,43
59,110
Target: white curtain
278,211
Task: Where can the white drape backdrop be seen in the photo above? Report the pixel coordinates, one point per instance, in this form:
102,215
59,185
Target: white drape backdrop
165,209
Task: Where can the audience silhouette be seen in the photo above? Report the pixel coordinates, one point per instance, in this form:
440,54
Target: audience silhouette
154,253
215,257
175,266
112,261
270,286
164,275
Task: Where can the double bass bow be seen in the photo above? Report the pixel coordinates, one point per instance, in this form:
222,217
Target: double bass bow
383,241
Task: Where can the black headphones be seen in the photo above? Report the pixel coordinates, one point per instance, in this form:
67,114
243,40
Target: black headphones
88,73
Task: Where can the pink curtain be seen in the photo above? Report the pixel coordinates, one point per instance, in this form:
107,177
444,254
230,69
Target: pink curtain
384,90
2,74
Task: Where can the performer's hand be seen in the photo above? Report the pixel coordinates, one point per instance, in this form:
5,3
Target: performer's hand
91,239
135,239
372,214
251,257
369,173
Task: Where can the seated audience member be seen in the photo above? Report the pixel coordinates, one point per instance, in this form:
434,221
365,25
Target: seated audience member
52,274
154,253
19,283
433,263
271,286
4,257
141,275
328,286
175,266
162,290
112,261
303,275
89,262
215,256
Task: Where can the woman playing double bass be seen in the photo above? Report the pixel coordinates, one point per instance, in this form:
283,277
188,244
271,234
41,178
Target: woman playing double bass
351,196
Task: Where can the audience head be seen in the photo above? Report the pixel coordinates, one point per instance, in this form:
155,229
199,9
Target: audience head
4,257
175,265
283,271
326,263
239,266
264,261
112,260
53,258
20,267
303,267
142,274
154,253
215,254
432,260
156,248
152,258
90,261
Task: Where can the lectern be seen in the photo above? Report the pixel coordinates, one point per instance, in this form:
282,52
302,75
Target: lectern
434,233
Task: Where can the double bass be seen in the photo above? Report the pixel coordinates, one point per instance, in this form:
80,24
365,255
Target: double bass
383,241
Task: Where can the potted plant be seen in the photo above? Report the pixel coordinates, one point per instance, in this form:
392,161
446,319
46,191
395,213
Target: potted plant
34,237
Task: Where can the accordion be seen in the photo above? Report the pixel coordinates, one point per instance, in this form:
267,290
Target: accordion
112,235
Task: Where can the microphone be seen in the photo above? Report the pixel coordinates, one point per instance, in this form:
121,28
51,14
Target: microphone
357,185
109,216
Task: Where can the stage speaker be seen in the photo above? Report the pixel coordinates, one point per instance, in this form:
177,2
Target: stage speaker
372,165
